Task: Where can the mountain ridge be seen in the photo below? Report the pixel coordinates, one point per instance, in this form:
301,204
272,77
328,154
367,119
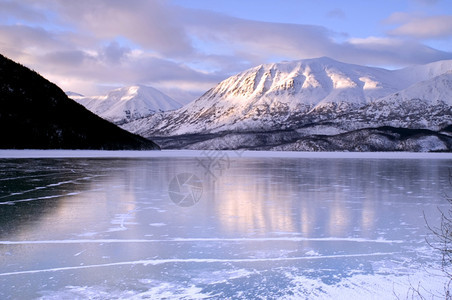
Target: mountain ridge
320,96
241,100
36,114
128,103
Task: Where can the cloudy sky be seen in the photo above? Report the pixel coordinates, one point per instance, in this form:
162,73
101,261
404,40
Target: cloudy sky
185,47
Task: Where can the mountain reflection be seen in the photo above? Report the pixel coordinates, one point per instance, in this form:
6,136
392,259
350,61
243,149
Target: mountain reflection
338,198
260,197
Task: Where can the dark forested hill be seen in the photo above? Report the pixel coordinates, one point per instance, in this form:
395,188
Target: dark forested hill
36,114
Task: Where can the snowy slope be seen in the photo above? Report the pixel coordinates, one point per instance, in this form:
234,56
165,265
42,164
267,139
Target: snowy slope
433,91
303,94
304,82
73,94
425,72
128,103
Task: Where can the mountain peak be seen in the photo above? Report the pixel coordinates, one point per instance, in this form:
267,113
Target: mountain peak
292,95
317,81
129,103
307,82
322,59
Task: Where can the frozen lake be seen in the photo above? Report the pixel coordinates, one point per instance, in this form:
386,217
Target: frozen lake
220,225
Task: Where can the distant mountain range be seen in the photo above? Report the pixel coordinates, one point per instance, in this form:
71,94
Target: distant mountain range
36,114
306,105
127,104
315,105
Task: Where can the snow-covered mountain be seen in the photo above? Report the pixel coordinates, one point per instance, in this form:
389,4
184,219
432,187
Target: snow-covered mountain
311,97
128,103
37,114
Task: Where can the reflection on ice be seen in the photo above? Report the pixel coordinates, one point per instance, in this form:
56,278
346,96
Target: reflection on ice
275,227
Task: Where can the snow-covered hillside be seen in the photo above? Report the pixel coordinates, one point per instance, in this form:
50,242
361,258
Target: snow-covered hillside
313,96
128,103
433,91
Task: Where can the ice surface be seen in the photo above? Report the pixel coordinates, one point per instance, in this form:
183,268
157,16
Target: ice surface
200,153
267,225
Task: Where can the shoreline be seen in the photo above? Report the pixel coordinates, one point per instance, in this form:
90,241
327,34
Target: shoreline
30,153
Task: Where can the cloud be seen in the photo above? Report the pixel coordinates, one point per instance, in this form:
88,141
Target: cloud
67,59
263,39
427,2
391,51
13,10
114,53
84,68
294,41
24,42
336,13
420,26
152,25
85,45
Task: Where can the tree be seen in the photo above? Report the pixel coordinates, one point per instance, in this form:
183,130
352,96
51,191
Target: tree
442,241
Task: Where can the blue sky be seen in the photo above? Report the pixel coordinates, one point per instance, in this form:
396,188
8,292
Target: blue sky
185,47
